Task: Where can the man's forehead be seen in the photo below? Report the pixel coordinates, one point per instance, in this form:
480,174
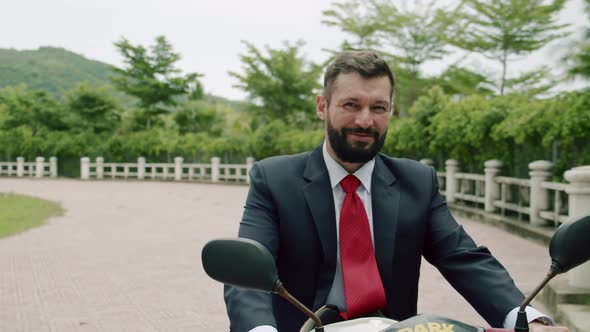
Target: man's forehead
353,85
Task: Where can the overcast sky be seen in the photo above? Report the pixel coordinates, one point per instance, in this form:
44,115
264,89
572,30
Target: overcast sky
207,33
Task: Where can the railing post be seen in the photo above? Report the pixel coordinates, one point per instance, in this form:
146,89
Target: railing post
20,166
85,168
53,167
39,167
452,167
540,172
215,162
427,162
140,168
178,168
492,189
99,167
249,164
579,205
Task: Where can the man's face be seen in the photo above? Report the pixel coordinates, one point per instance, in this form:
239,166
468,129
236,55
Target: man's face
356,116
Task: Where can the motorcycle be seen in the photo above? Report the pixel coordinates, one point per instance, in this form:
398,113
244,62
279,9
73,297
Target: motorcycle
248,264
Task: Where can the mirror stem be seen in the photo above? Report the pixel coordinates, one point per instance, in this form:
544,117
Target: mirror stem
552,273
280,290
522,323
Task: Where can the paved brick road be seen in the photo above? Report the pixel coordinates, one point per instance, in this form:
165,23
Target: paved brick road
126,257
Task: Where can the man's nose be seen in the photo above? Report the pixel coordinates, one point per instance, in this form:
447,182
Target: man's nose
364,118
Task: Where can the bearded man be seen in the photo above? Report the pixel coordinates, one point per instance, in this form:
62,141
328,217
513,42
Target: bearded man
348,226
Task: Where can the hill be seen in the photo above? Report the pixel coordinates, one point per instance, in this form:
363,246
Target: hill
57,71
52,69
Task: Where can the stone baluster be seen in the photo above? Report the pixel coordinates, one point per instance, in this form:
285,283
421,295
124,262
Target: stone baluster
178,168
452,184
141,168
85,168
53,167
20,167
215,162
39,167
99,167
492,189
579,205
540,171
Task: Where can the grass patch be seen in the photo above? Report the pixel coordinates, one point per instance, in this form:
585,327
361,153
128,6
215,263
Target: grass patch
19,212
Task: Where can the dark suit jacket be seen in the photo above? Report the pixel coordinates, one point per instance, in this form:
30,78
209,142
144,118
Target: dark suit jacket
290,209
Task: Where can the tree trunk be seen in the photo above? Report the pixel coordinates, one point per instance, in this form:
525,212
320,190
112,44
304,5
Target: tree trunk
504,65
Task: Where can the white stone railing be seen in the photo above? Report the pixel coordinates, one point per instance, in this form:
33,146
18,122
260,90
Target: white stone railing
514,196
557,214
177,171
470,187
38,168
543,202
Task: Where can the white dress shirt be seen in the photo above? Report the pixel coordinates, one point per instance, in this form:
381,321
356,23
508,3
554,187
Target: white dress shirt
364,174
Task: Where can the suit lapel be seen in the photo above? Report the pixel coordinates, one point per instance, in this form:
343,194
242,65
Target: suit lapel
385,201
319,197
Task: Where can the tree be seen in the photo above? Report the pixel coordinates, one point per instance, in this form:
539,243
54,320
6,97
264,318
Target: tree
459,81
580,58
353,18
406,35
93,109
198,117
150,76
414,35
32,109
502,29
280,84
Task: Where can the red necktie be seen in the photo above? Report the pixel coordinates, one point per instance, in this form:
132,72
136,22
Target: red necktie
363,289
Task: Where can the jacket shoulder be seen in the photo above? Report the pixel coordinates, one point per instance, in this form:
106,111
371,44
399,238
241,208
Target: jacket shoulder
281,166
406,168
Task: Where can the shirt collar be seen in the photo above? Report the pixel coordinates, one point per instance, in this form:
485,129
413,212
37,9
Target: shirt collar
337,172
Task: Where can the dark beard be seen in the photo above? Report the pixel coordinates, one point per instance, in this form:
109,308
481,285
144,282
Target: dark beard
359,152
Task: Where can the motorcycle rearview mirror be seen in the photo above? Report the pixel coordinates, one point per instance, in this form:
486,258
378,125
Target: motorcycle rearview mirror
248,264
240,262
569,247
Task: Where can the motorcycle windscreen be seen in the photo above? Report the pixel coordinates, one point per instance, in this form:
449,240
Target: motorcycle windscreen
431,323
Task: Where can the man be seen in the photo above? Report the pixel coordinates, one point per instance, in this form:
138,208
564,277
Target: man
348,226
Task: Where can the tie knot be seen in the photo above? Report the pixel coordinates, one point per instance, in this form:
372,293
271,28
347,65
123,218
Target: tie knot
349,183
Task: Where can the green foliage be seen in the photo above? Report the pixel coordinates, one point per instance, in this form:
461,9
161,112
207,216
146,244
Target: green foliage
556,129
151,77
198,116
414,35
92,109
409,136
354,18
54,70
280,84
458,81
463,131
276,138
581,60
580,57
19,213
32,109
406,35
500,29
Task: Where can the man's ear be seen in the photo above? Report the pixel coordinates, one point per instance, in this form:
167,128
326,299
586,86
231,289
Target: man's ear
321,106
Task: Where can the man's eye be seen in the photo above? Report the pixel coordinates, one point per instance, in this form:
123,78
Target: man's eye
379,109
350,106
